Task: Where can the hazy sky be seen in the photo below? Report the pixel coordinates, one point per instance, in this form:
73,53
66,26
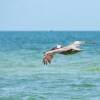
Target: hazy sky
49,14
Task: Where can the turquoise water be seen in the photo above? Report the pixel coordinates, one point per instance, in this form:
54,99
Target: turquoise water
24,77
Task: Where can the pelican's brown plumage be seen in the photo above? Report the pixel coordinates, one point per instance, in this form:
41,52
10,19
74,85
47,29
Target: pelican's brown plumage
70,49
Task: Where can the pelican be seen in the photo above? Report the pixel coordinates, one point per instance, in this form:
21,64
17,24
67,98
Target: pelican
69,49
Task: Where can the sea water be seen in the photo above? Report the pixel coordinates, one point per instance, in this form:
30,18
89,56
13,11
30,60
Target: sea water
24,77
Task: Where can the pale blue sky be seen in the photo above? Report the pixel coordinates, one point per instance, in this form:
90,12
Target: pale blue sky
49,14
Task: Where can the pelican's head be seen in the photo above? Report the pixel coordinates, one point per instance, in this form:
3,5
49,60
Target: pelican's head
77,42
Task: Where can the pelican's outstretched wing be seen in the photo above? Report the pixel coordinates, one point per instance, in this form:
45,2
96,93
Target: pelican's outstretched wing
48,56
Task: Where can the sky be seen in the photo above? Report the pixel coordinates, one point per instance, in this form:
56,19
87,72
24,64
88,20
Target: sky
30,15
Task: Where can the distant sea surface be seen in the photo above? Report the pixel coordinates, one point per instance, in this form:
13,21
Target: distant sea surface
24,77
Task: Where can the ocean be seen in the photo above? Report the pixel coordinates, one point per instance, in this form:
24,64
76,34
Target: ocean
73,77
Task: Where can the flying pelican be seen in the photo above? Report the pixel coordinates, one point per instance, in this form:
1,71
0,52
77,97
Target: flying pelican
70,49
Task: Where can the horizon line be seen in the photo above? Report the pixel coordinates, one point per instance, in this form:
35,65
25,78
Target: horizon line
49,30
